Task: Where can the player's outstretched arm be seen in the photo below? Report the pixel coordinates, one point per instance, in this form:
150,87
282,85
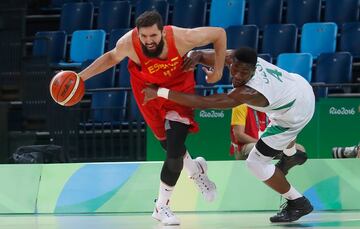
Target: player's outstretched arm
108,59
191,100
203,102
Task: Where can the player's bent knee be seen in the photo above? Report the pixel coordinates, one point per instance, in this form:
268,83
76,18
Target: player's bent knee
175,165
171,170
169,177
260,165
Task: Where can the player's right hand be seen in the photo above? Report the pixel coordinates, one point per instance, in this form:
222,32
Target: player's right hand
191,59
212,76
150,93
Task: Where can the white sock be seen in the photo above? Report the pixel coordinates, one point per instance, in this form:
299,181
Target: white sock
165,192
190,165
292,194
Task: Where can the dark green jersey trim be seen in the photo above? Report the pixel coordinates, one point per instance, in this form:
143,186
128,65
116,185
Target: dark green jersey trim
272,130
288,105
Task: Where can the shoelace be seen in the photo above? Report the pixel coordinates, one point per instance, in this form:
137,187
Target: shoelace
165,210
203,182
284,206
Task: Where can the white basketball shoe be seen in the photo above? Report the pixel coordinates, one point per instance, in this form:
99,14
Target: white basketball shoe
165,215
204,184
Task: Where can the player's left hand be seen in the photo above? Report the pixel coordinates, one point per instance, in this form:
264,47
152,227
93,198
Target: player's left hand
150,93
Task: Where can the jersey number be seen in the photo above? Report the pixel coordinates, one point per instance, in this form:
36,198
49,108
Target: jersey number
275,73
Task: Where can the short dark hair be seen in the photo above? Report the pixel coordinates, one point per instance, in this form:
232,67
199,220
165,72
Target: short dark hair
149,18
245,55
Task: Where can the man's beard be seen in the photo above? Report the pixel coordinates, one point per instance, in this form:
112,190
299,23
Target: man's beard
156,52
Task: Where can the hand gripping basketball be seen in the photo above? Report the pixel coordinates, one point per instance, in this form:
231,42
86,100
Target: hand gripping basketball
67,88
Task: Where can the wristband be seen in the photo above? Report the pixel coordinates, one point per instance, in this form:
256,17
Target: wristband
163,92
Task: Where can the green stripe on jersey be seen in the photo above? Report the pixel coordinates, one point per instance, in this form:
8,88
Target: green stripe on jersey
288,105
272,130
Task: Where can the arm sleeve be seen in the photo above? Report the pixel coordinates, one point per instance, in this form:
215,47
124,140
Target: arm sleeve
238,116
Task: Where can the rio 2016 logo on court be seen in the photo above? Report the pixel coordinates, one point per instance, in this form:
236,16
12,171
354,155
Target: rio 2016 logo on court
342,111
211,114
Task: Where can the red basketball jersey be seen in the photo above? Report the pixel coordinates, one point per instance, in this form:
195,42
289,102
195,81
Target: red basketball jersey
164,73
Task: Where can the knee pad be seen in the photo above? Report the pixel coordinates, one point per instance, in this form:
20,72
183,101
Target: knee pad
175,139
266,150
260,165
175,164
171,171
175,150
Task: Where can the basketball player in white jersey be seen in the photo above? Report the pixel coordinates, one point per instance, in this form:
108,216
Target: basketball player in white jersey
286,98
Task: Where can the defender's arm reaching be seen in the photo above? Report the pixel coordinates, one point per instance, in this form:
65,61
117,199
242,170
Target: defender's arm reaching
234,98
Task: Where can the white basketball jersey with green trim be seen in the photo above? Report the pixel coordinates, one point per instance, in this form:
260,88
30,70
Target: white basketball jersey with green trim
282,89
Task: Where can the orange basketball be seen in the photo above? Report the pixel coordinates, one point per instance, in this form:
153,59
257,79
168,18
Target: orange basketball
67,88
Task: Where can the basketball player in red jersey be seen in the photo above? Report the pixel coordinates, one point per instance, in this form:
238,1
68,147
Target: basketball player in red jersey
156,55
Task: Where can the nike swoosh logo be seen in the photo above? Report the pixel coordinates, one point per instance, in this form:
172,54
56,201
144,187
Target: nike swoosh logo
202,170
